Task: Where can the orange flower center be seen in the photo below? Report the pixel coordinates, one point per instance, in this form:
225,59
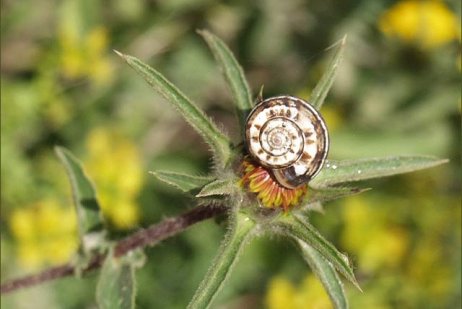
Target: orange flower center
259,180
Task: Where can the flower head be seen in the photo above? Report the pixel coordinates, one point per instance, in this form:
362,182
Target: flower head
427,23
257,179
45,233
283,294
118,188
84,55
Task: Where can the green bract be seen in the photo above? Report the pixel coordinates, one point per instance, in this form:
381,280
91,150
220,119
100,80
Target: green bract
245,220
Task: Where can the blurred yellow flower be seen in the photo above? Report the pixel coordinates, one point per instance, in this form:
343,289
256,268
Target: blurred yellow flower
45,233
116,167
374,241
332,116
84,57
282,294
428,23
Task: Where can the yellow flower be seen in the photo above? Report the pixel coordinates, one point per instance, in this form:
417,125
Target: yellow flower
57,249
332,116
20,224
372,239
84,56
45,233
270,193
427,23
116,167
30,255
282,294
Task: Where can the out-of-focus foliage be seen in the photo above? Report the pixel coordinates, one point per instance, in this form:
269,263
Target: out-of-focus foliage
397,92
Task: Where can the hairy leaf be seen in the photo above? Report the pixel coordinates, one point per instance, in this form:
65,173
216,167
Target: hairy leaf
91,226
315,195
300,229
184,182
218,141
233,74
337,172
218,187
222,266
116,287
326,273
322,88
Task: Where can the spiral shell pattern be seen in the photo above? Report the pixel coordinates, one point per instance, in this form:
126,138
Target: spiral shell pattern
287,135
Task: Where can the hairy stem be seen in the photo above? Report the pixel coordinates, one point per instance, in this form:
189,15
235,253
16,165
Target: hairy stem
221,267
140,239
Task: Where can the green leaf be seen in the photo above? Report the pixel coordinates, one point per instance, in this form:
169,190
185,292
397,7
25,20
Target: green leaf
233,74
116,287
300,229
326,273
90,221
219,187
322,88
218,141
328,194
336,172
314,198
184,182
222,265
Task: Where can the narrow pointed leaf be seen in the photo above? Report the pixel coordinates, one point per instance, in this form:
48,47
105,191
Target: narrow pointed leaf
233,74
328,194
336,172
302,230
260,95
223,264
90,221
218,141
326,273
184,182
322,88
218,187
116,287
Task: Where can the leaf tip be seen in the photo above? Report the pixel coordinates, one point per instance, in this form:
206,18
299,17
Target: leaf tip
260,94
356,284
202,32
123,56
443,161
61,152
206,35
360,190
58,149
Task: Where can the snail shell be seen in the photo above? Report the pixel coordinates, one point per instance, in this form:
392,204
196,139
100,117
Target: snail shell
287,135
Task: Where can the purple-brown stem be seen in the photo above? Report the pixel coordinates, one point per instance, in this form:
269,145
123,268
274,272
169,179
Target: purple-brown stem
145,237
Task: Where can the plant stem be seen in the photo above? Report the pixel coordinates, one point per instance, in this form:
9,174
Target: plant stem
146,237
228,254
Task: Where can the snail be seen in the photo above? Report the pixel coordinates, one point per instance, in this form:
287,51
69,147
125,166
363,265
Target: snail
289,137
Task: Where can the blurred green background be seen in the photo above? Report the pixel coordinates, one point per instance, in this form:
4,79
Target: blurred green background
397,92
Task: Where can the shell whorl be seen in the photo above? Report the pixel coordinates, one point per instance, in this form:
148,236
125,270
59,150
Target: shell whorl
288,136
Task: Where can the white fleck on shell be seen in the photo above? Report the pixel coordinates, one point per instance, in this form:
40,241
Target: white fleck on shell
287,135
